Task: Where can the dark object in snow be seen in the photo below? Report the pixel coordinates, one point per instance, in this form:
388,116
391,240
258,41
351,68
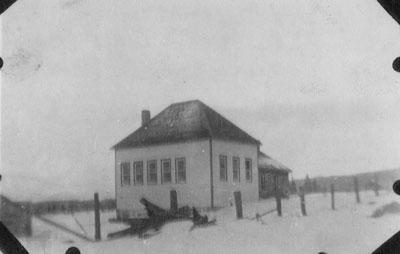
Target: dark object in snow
393,207
197,218
157,217
156,212
200,221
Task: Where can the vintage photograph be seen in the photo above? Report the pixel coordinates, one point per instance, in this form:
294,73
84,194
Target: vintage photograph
230,126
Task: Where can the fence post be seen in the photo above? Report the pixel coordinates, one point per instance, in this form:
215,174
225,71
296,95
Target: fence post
97,234
376,190
28,220
173,201
376,185
238,204
356,189
333,196
278,203
303,201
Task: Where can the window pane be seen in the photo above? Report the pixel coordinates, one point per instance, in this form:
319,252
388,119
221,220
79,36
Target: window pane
236,169
222,168
181,164
248,164
139,179
125,174
152,172
248,170
139,173
180,170
248,175
182,176
166,171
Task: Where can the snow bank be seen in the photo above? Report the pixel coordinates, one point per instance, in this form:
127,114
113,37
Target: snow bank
348,229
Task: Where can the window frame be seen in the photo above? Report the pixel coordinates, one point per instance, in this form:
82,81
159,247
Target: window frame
162,171
123,184
225,158
177,180
238,169
149,162
135,173
250,169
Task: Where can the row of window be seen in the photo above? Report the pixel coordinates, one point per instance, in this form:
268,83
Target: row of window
223,169
180,171
152,175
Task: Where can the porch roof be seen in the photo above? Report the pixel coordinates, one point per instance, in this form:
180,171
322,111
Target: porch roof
267,164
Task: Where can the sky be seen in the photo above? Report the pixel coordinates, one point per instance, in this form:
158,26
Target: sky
312,80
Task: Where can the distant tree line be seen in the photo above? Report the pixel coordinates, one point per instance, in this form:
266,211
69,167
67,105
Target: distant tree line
70,206
310,185
373,181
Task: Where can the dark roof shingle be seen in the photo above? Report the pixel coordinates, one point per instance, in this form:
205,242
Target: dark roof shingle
191,120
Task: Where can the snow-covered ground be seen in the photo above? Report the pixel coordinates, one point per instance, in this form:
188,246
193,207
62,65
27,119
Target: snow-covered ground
348,229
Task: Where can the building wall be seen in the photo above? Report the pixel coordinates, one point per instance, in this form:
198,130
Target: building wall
223,191
196,190
273,183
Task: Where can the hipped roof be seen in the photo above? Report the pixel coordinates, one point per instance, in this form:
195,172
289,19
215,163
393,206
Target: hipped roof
190,120
266,163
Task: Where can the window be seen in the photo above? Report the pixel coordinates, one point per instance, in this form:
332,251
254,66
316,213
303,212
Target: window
249,171
223,176
152,172
166,171
180,170
125,174
236,169
138,173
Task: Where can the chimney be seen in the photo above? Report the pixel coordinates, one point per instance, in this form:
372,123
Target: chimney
145,117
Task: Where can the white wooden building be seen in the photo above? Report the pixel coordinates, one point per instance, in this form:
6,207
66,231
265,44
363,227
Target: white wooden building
190,148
